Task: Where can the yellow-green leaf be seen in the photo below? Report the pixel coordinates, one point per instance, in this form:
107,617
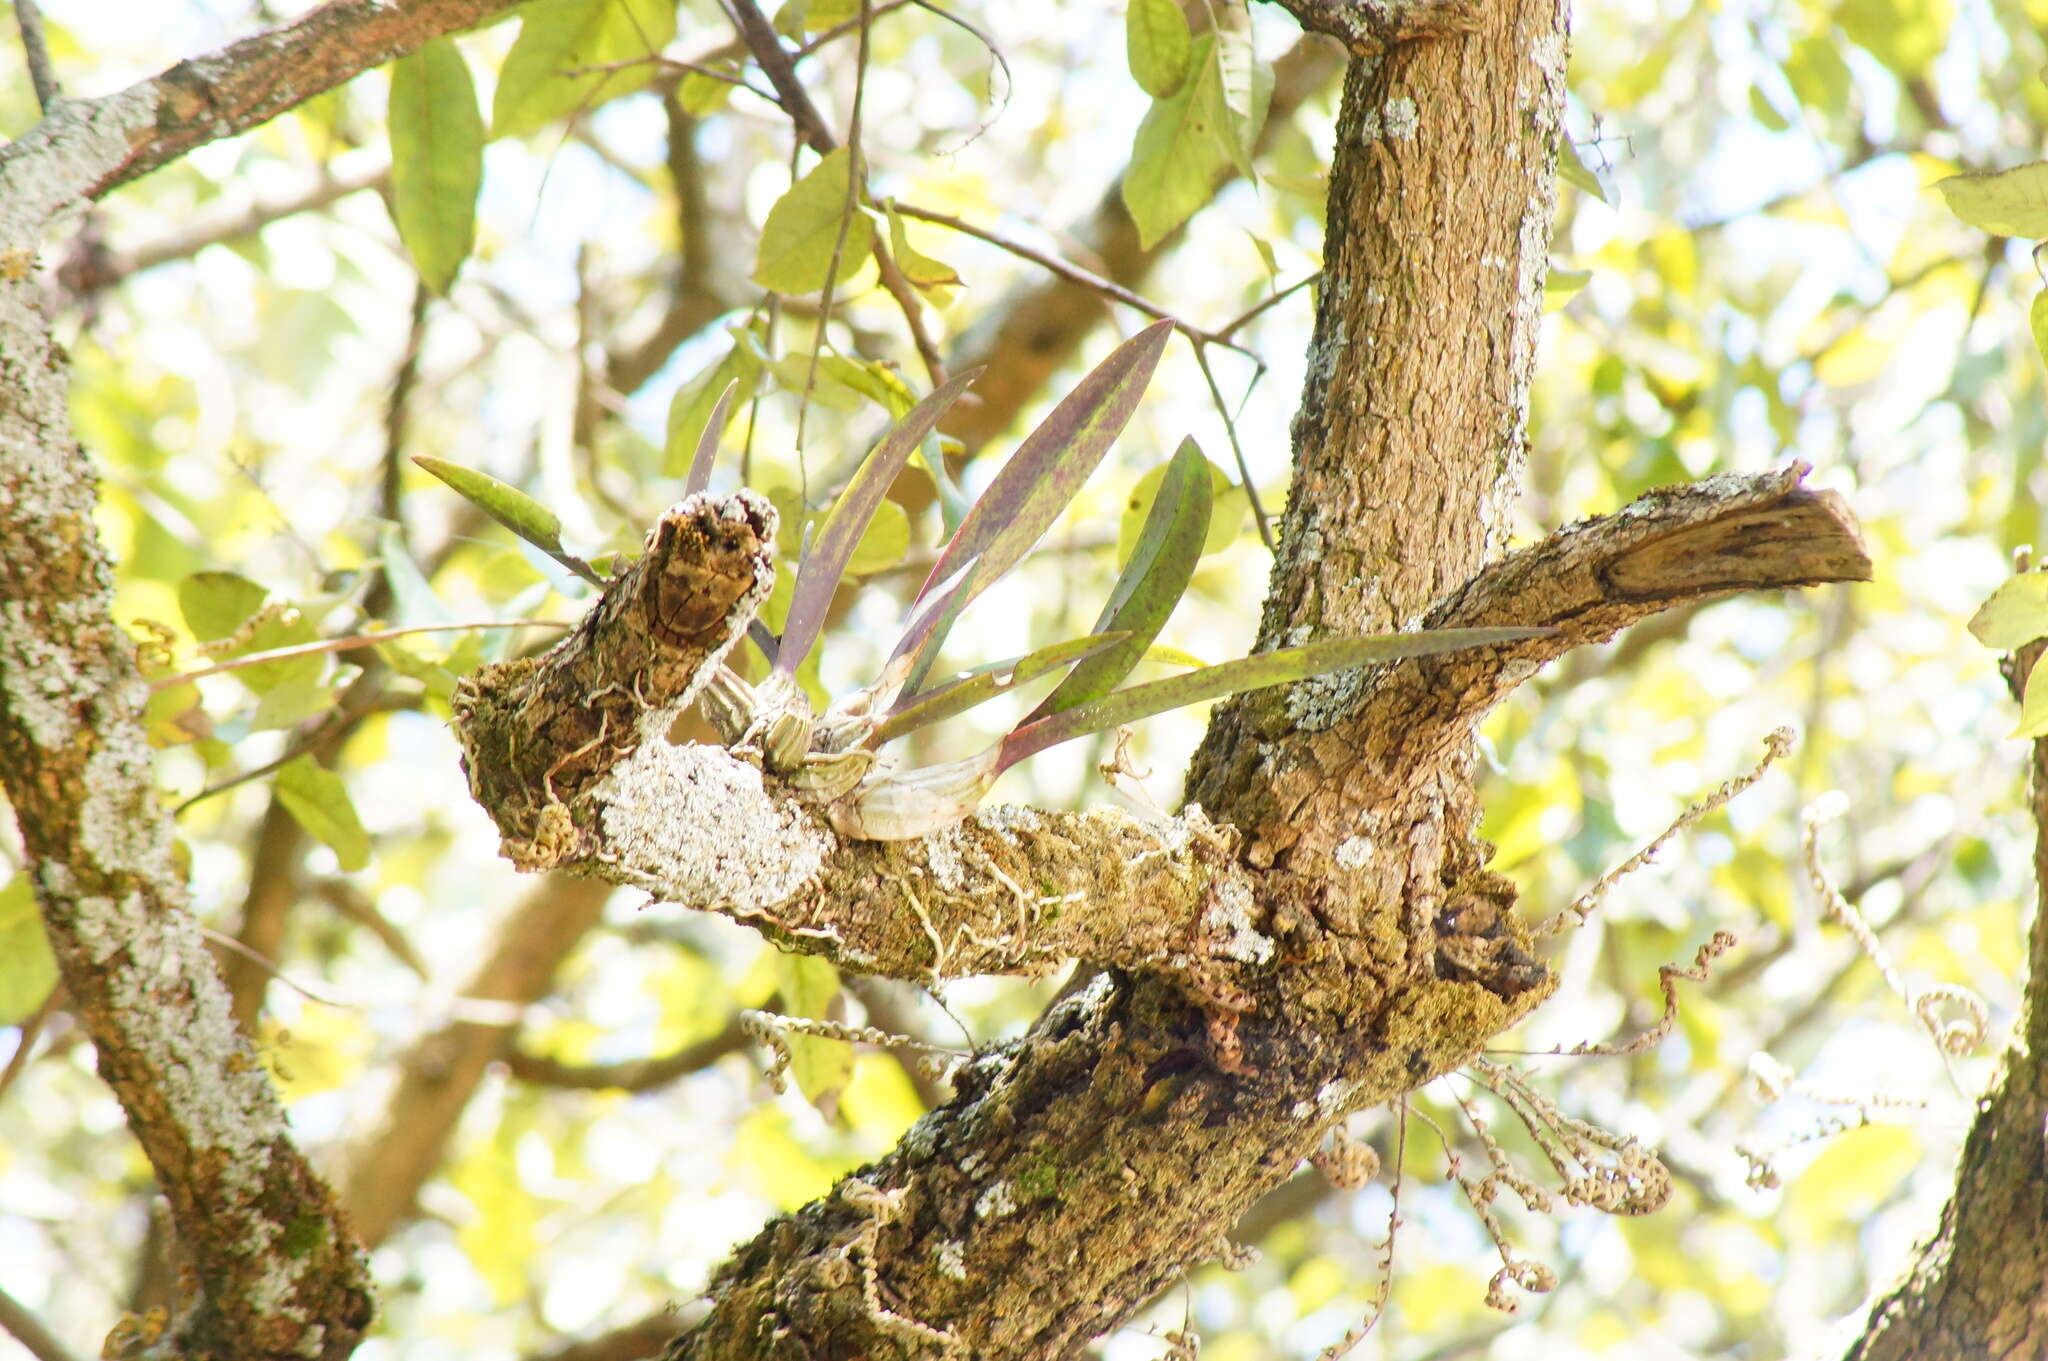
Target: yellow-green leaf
215,604
689,411
2007,203
318,798
803,227
557,37
2034,704
1246,86
27,968
1157,44
437,159
701,94
502,501
1225,519
2037,321
2015,615
1183,147
1571,168
884,542
922,271
820,1067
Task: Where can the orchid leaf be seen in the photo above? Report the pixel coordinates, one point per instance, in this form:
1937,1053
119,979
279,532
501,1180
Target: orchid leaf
707,442
512,508
1246,673
849,518
1031,491
1151,584
987,681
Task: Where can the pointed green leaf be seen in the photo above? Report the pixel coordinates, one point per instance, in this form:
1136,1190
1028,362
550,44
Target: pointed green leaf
1032,489
1151,583
803,227
689,411
506,504
701,94
1184,146
215,604
2015,615
2037,321
413,596
883,543
318,798
1156,44
502,501
2005,203
1226,514
1247,673
849,519
2034,703
1246,86
922,271
820,1066
560,36
28,968
437,159
1571,168
985,682
707,440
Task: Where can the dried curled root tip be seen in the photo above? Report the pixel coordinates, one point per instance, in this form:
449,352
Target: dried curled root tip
903,805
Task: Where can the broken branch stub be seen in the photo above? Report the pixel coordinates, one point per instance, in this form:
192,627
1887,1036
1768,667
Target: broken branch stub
538,732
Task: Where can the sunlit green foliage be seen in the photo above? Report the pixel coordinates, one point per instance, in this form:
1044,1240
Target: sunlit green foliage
1767,272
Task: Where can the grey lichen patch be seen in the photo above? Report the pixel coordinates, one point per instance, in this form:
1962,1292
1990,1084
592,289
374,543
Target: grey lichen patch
1228,921
43,686
1398,118
1322,702
1354,852
998,1200
949,1257
700,825
1009,821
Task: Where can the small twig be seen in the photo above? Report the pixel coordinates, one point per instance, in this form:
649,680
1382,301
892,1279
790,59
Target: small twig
354,640
40,73
1071,272
856,175
227,942
1244,470
17,1318
776,64
631,1075
31,1031
1259,309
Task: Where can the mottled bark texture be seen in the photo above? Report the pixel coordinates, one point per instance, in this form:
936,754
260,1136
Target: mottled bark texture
1977,1289
277,1271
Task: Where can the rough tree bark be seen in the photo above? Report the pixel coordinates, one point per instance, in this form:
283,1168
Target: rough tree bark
1325,937
278,1270
1332,939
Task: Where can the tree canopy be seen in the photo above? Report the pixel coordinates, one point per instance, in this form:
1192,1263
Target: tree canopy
387,333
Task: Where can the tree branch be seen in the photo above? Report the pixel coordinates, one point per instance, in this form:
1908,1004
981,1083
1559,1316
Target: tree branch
104,142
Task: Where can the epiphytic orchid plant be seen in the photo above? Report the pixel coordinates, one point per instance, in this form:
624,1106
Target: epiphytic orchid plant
836,759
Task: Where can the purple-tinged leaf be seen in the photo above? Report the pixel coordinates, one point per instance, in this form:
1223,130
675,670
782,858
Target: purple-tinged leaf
1151,584
512,508
1031,491
1246,673
707,443
986,682
825,561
